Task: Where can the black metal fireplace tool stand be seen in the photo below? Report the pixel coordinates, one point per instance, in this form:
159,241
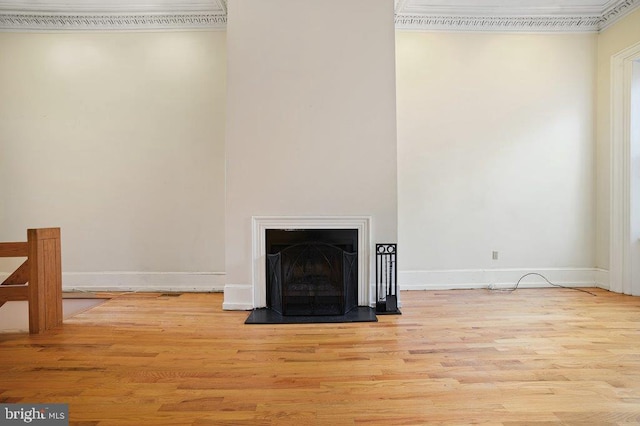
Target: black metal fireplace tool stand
386,280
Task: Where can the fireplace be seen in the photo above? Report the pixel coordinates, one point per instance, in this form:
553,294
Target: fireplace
262,224
312,271
356,240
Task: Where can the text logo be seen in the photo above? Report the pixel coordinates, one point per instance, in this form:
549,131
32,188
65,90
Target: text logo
34,414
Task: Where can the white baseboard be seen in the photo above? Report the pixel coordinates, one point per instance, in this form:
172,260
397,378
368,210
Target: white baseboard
144,281
498,278
602,278
238,297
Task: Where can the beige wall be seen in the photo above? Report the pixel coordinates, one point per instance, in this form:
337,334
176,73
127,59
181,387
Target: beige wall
495,153
619,36
118,138
311,121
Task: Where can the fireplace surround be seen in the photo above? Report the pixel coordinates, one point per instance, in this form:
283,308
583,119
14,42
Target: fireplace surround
260,225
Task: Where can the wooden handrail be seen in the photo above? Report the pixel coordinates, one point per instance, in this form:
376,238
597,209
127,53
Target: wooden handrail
38,280
14,249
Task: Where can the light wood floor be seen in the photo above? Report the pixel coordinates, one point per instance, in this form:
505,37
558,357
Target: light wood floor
453,357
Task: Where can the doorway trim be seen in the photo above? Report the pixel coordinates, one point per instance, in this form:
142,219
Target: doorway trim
621,263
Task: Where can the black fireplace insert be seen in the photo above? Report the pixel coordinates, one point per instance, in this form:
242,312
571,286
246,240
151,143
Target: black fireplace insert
312,271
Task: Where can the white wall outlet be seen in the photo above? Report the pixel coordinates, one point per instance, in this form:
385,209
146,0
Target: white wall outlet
494,255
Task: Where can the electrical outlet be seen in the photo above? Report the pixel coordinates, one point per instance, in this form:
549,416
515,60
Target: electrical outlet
494,255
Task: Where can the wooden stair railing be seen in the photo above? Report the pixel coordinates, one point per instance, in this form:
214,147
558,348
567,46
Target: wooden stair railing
38,280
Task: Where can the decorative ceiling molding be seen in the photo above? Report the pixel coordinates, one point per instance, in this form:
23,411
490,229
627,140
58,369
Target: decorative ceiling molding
557,22
618,11
108,22
492,23
419,15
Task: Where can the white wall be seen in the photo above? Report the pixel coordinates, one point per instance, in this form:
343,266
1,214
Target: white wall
310,119
495,152
117,138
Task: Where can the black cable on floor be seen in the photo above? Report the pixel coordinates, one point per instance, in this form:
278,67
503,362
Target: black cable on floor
544,278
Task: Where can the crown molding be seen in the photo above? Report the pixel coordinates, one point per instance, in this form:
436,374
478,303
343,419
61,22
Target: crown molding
493,23
577,22
617,12
112,21
23,15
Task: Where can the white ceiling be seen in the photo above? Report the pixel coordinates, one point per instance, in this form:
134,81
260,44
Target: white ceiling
466,15
114,6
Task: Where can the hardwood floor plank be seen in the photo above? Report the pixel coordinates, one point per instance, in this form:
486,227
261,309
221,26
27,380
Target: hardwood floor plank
454,357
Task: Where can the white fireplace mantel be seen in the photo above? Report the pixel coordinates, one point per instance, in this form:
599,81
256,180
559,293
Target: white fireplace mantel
258,240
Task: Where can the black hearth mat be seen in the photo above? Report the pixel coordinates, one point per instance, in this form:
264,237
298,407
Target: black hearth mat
268,316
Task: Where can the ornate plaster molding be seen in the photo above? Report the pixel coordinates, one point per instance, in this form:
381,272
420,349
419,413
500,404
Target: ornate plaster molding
493,23
577,22
21,15
112,21
618,11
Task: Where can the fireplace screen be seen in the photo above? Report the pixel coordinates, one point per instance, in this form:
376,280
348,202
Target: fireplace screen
312,278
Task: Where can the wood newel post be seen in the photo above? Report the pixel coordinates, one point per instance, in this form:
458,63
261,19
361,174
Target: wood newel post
45,279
